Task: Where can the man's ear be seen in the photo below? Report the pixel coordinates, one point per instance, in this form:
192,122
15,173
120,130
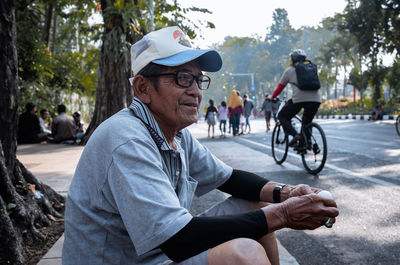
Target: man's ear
141,88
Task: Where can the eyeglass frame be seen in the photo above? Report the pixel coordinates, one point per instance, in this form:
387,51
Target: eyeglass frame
194,77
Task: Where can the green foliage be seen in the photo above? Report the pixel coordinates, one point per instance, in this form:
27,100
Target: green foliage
50,74
65,70
281,37
376,75
359,81
394,78
118,20
391,26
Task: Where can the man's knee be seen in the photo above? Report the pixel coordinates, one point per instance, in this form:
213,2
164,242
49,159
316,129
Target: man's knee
243,251
249,251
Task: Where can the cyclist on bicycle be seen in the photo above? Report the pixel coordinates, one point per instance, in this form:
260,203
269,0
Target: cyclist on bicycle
306,99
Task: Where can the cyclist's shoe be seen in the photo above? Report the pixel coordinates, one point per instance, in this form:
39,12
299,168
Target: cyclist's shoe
295,141
316,149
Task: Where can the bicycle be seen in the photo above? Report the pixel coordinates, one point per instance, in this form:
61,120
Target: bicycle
312,148
397,124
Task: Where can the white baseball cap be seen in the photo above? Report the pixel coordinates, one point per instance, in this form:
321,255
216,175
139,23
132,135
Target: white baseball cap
170,47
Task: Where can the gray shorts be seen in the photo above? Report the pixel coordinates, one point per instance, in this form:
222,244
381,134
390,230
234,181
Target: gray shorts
231,205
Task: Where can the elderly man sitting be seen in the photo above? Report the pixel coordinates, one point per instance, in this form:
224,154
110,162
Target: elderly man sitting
130,197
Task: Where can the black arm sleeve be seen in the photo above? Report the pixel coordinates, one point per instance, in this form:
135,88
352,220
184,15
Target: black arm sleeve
244,185
202,233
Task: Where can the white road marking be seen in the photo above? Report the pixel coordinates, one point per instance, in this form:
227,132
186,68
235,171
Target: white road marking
336,168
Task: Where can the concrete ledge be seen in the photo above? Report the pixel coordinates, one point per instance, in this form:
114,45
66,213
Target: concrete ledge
354,117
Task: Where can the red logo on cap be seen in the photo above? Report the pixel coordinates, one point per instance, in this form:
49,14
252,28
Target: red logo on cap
182,39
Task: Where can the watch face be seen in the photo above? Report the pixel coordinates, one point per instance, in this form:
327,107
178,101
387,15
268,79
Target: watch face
277,192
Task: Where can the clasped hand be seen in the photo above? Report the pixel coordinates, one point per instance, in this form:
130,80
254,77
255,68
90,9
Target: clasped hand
301,208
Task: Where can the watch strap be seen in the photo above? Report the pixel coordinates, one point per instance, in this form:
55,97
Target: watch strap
277,192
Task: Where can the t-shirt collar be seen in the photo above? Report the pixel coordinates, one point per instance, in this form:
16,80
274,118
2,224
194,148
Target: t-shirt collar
142,112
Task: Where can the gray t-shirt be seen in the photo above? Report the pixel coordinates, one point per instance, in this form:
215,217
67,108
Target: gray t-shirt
267,105
131,192
248,106
298,95
63,127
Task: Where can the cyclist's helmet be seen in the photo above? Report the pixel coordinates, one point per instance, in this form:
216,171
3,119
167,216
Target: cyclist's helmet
298,55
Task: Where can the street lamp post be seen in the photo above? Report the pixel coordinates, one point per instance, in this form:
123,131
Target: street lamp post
252,87
251,75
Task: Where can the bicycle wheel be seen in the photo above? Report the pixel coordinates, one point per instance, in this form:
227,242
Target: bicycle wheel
279,144
315,157
398,125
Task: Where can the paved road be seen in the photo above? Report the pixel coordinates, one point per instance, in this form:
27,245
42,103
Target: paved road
362,173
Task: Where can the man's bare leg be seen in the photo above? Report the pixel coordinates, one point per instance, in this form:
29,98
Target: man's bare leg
240,251
269,240
271,247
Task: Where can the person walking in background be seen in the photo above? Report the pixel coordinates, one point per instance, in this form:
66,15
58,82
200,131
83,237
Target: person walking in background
211,116
235,107
63,127
247,108
267,108
29,130
223,117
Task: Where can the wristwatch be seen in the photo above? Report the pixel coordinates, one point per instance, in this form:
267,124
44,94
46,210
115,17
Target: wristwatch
277,192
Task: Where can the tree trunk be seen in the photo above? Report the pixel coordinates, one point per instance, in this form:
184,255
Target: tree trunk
22,210
336,74
113,91
53,35
328,90
47,24
344,81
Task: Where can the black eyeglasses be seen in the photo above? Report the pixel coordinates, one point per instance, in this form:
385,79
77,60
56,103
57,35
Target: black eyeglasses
185,79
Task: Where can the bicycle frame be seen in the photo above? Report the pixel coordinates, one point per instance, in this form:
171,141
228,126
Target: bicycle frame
307,147
297,117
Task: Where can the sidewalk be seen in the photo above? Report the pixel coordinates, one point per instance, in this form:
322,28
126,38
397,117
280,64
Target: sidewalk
55,164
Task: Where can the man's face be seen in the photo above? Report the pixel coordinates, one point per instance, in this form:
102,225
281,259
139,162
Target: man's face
45,115
173,106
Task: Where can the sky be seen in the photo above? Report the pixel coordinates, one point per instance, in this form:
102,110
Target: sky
252,17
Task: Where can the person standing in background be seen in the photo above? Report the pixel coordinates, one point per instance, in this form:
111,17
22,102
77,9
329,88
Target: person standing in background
248,107
223,117
211,115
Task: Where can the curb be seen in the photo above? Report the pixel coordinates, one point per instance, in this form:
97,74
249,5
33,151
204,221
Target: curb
354,117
